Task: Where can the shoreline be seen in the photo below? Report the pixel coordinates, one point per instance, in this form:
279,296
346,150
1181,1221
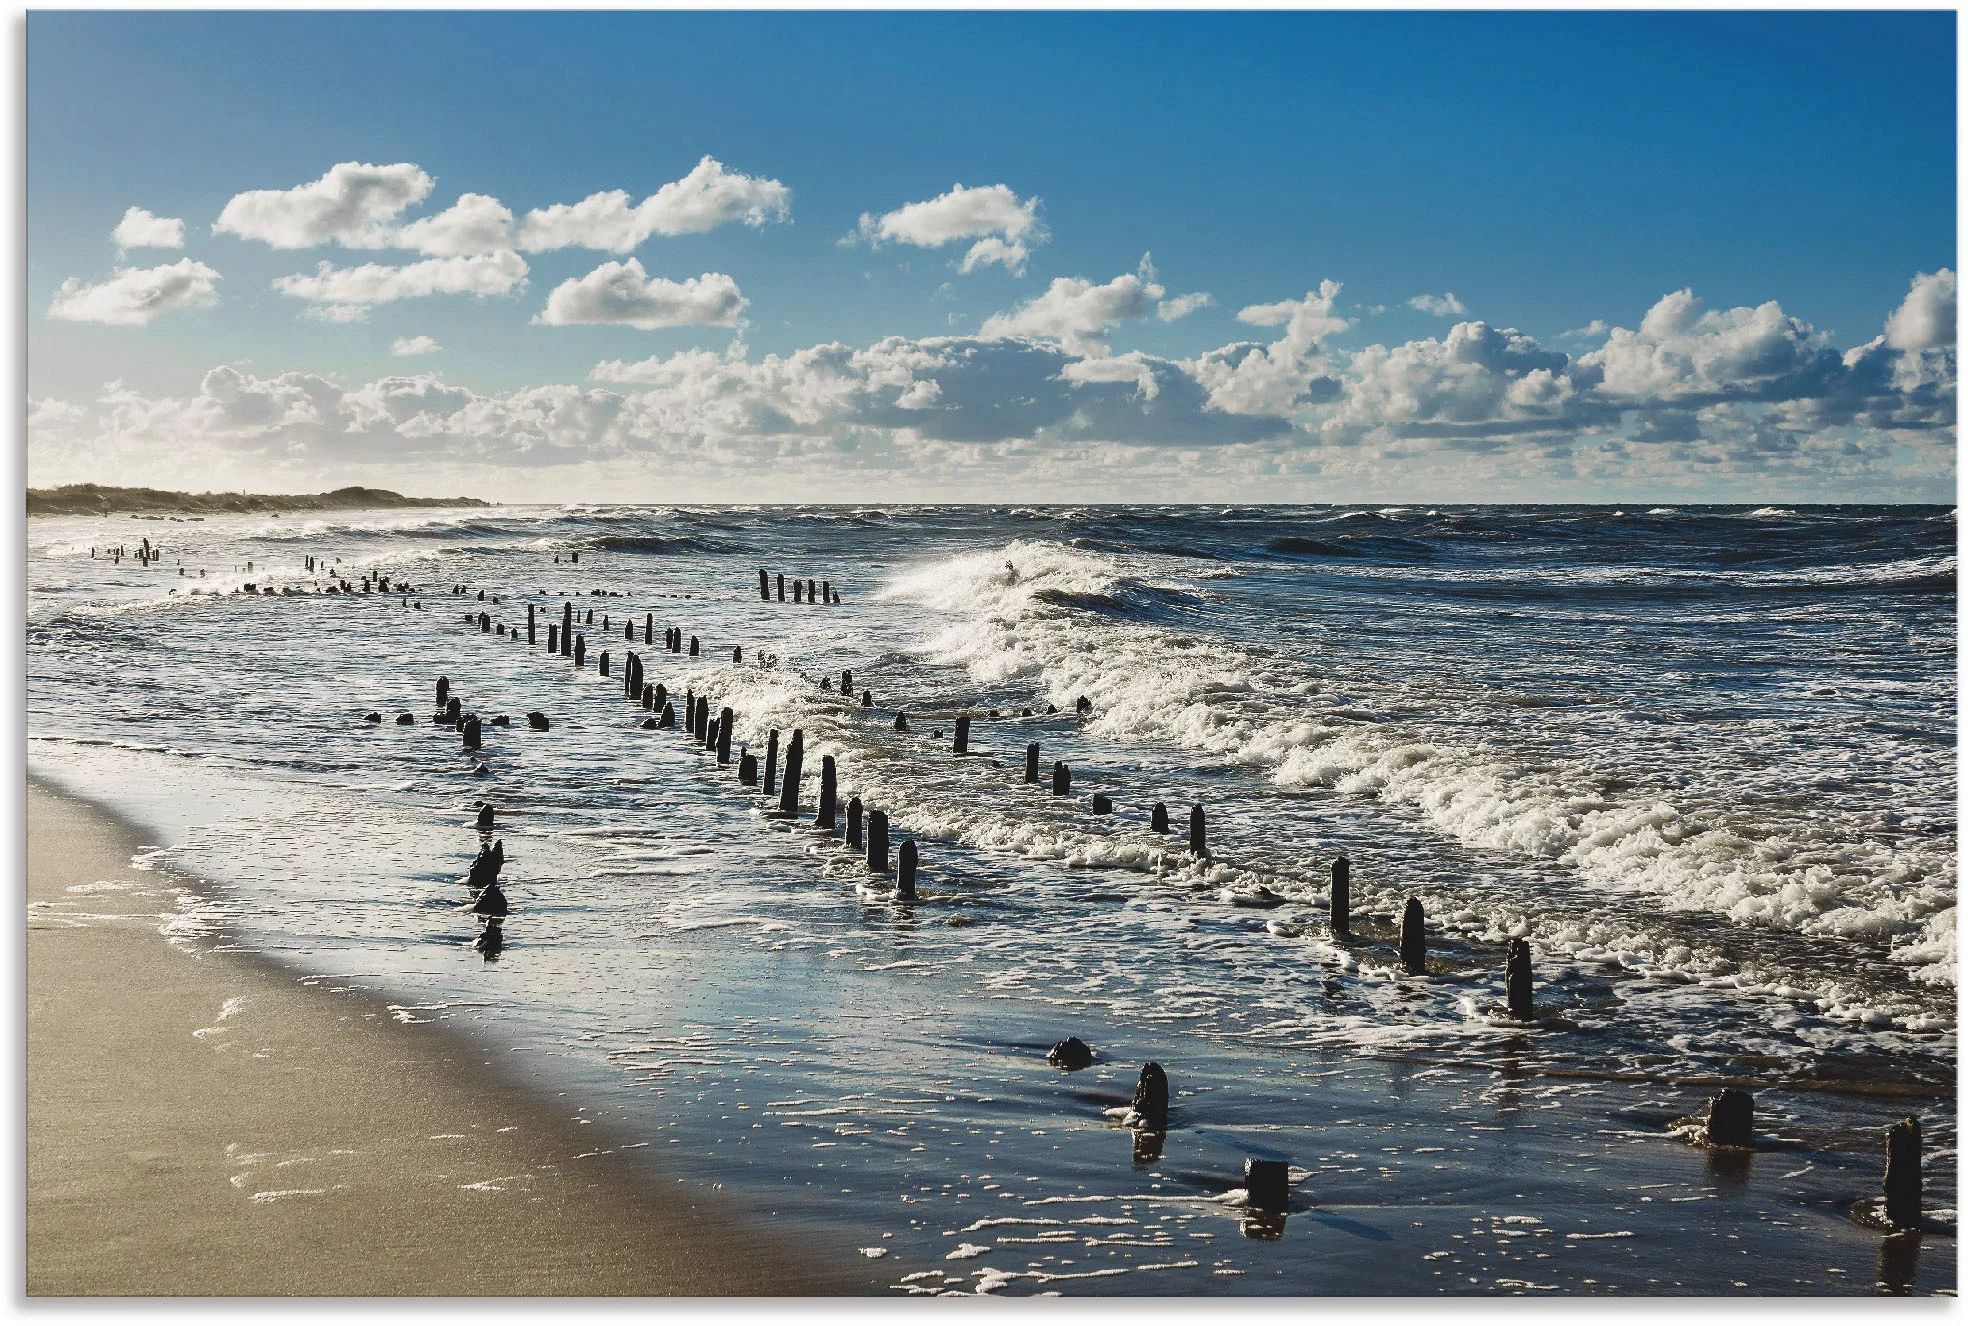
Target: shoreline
202,1123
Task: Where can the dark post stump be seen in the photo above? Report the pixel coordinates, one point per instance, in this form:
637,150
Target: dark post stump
566,628
905,871
602,662
782,586
1903,1174
826,592
1269,1184
453,710
537,721
693,646
737,653
485,623
485,814
669,716
765,590
580,650
1032,762
1517,979
901,722
1198,835
772,761
748,770
553,639
961,745
847,683
1341,906
799,592
1062,779
1158,820
443,690
471,734
854,822
724,735
1414,939
628,629
1102,805
1151,1099
649,698
878,842
1731,1118
867,699
789,786
530,637
809,591
825,818
660,697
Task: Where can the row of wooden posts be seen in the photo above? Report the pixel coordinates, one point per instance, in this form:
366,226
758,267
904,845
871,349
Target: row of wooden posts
804,591
1730,1114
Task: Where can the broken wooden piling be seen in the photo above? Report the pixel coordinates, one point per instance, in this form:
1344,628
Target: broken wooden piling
1902,1184
824,818
1340,907
1414,939
961,745
1517,979
789,785
1032,762
878,842
1062,779
853,834
905,871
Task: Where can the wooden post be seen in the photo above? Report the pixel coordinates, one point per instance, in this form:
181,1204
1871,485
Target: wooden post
693,646
961,746
454,711
703,728
724,735
1151,1099
668,718
566,628
443,690
799,591
553,638
1414,939
660,696
1102,804
580,650
1903,1174
602,662
1062,779
826,592
628,629
878,842
1158,820
789,786
847,683
748,770
471,734
485,623
772,762
1198,834
825,818
809,591
765,590
1032,762
531,638
782,586
853,834
1269,1184
1517,979
867,699
1731,1119
901,721
649,628
1340,907
905,871
737,653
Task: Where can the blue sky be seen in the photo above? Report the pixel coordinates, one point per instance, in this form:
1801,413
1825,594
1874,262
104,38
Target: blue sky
1552,171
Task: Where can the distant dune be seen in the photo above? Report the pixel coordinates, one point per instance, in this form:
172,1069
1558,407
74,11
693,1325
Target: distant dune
86,499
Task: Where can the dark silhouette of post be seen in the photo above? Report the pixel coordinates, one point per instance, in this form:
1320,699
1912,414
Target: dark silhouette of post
824,819
724,735
1903,1174
1731,1119
782,586
693,646
1032,762
649,628
1414,939
530,637
1062,779
1268,1183
471,734
961,745
1198,834
867,699
905,871
772,761
847,683
443,691
1158,820
1341,906
1151,1099
765,590
566,628
580,650
748,770
553,638
854,822
602,663
878,842
1517,979
789,786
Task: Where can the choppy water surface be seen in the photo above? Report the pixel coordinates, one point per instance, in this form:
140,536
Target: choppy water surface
1702,759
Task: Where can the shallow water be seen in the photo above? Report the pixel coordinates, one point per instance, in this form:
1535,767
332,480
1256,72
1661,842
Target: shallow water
1702,760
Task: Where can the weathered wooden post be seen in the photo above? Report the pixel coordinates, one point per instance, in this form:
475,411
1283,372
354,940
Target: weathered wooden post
825,818
649,698
809,591
724,735
668,718
580,650
772,761
847,683
748,770
537,721
454,711
867,699
443,690
1158,820
649,628
854,822
1731,1119
1903,1174
901,721
782,586
602,662
905,871
1062,779
701,729
485,814
590,620
799,591
471,734
553,638
1151,1099
1414,939
789,786
1340,906
566,628
1102,804
961,746
1032,762
628,629
878,842
765,590
737,653
660,696
1517,979
485,623
693,646
826,592
1198,833
1268,1183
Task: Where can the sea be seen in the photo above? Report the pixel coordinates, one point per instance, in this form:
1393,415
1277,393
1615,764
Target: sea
1700,759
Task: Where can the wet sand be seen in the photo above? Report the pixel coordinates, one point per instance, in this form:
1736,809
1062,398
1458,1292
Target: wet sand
201,1123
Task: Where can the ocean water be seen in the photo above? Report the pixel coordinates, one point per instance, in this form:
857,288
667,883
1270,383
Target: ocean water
1701,759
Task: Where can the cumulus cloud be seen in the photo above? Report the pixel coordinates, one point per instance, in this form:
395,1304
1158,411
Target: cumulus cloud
1183,305
354,205
1442,306
1476,375
404,347
1252,379
473,224
621,292
708,197
1925,319
132,296
345,294
1004,226
140,230
1077,313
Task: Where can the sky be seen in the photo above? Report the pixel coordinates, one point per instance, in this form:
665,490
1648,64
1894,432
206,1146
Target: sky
1019,256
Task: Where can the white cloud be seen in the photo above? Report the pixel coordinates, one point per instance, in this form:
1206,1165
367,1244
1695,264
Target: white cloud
132,296
1591,331
140,230
1925,319
1004,226
1442,306
1250,379
354,205
1183,305
473,224
708,197
404,347
344,294
621,292
1476,374
1077,313
1681,353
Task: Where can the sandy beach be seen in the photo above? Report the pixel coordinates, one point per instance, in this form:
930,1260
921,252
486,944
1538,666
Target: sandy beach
201,1123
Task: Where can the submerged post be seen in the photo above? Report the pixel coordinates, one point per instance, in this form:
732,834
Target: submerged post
772,761
789,787
782,586
1731,1119
443,690
649,628
1151,1099
580,650
878,842
1414,939
847,683
724,735
471,734
530,637
693,646
1517,979
1903,1174
854,822
602,662
553,638
566,628
1268,1182
905,871
1032,762
1062,779
748,770
1198,836
961,745
1341,906
765,590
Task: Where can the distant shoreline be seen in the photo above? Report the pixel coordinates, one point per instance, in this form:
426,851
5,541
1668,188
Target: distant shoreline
88,499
